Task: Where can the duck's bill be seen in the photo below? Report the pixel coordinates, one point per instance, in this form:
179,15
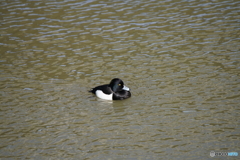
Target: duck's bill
126,88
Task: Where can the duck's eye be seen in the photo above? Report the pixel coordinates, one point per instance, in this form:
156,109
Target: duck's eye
119,84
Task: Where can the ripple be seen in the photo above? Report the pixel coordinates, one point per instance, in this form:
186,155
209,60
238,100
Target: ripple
179,58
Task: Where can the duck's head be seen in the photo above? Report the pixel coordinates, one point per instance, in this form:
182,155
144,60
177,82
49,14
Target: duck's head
117,84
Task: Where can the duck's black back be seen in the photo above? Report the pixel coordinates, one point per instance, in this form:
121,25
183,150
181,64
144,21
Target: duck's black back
104,88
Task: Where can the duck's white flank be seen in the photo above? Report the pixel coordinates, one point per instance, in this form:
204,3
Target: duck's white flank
101,95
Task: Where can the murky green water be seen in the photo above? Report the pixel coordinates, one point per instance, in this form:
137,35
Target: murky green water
181,60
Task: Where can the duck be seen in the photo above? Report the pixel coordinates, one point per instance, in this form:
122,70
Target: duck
115,90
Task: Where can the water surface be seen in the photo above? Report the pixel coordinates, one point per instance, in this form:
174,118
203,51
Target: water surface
180,59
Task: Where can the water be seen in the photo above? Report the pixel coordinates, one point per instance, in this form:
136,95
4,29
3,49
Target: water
180,59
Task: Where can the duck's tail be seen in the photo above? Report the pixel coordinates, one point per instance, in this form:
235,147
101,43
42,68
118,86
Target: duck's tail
91,90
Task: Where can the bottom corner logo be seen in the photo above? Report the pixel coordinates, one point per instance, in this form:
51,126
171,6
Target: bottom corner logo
212,153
